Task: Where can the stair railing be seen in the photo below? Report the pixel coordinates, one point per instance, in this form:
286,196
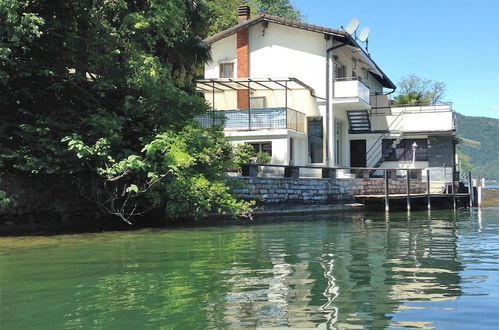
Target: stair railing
377,147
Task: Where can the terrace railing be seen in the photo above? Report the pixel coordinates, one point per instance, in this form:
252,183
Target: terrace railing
351,87
254,119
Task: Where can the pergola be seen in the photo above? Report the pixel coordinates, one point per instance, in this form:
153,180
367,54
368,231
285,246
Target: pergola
214,85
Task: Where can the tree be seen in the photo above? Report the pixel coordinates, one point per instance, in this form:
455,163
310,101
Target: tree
415,90
223,13
106,79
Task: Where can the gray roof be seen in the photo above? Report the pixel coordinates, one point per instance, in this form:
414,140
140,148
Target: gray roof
278,20
339,35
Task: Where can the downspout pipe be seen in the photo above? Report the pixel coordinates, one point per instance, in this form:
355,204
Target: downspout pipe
328,128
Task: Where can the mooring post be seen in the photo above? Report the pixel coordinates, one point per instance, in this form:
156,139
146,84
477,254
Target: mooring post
470,188
387,202
408,188
454,190
428,194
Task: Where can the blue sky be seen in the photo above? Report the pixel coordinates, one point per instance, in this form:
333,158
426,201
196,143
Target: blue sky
454,41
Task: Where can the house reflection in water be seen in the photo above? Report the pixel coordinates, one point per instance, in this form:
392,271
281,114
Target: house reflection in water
342,276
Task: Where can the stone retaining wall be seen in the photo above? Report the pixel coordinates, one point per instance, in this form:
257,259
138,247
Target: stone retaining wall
318,190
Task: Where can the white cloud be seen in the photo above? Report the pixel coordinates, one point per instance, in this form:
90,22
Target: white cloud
494,107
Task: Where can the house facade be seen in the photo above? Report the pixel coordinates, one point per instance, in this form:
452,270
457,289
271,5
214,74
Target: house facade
312,96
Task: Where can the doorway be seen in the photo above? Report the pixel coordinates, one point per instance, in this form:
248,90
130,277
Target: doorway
357,153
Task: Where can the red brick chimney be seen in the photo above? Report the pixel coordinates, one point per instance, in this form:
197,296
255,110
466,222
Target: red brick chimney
242,56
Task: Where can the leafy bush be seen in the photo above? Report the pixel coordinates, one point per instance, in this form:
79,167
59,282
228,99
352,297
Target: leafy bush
263,158
243,154
4,200
184,172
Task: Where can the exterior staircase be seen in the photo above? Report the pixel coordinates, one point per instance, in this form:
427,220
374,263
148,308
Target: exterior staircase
359,121
375,156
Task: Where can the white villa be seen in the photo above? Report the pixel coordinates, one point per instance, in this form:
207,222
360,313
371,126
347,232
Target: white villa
312,96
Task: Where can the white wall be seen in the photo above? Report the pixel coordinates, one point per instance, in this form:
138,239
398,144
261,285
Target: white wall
436,121
282,52
414,122
280,144
288,52
226,100
222,51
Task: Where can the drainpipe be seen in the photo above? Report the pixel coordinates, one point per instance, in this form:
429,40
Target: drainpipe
328,128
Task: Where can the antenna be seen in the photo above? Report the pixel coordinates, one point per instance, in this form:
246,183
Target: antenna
363,37
352,26
364,34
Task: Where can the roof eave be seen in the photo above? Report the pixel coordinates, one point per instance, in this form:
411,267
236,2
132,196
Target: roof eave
277,20
385,81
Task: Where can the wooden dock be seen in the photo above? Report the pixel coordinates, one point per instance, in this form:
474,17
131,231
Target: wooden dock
414,201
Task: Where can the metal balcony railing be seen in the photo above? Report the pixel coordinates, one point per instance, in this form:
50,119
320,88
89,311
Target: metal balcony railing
254,119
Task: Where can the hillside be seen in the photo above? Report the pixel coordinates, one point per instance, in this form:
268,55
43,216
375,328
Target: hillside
485,159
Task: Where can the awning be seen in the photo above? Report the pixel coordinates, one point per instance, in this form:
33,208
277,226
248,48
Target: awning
468,142
227,84
360,56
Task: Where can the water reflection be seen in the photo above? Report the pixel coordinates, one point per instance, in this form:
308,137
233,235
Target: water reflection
322,273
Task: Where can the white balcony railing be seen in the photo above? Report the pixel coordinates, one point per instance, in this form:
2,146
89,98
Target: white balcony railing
414,118
351,87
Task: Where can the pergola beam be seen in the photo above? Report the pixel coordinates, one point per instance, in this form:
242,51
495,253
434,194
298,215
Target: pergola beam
278,83
211,86
240,83
259,83
223,84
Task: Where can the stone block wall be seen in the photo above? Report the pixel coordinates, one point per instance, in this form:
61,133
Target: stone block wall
376,186
317,190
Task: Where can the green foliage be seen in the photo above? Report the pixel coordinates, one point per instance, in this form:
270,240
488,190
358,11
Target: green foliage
195,196
414,90
243,154
484,159
223,13
263,158
112,82
113,70
183,171
465,165
4,200
412,98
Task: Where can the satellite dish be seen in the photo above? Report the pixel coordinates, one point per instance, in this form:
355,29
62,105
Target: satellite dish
364,34
352,26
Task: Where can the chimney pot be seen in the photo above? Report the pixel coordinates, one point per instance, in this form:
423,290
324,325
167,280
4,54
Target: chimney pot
243,13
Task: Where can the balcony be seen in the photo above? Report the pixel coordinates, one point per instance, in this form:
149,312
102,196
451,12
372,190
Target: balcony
352,93
255,119
417,118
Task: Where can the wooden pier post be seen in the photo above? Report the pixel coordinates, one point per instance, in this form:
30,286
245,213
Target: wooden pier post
454,190
428,193
470,188
387,202
408,188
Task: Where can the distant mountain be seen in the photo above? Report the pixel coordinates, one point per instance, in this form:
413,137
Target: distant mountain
485,159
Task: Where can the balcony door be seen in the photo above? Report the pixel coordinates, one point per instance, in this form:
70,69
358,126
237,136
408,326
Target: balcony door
357,153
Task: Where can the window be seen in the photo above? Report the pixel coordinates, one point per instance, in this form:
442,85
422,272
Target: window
226,70
403,151
340,71
315,140
265,147
257,102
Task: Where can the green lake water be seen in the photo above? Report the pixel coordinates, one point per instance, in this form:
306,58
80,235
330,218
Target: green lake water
427,270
